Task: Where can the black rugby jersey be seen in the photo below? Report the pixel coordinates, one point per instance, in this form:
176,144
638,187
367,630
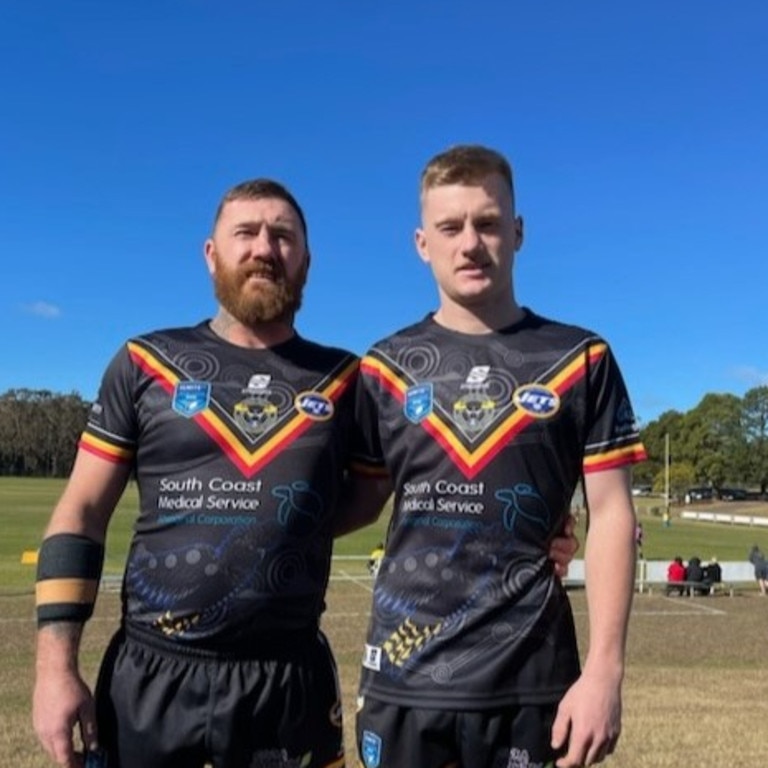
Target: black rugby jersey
485,438
239,456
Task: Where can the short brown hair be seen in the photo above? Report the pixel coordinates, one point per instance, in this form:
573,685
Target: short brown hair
466,164
258,189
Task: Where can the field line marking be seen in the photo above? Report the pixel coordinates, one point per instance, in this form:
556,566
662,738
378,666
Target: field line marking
344,576
697,608
675,613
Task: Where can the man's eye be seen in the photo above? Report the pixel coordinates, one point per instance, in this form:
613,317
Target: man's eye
450,229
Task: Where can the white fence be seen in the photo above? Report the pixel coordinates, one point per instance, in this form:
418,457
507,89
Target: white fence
652,573
724,517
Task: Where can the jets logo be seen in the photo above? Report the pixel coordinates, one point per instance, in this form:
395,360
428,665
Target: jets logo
537,400
314,405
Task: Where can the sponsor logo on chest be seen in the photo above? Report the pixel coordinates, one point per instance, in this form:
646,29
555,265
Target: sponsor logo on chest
537,400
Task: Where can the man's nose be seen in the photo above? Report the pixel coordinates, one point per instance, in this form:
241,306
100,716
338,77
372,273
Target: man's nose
470,239
263,244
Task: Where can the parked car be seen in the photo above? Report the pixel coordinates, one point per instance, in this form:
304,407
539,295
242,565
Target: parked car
702,493
733,494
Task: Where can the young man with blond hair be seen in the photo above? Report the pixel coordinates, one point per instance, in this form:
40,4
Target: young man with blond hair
487,416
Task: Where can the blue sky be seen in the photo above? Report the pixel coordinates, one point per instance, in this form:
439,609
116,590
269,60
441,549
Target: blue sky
638,132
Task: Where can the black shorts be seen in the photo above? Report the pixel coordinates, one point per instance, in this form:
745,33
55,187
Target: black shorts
158,709
391,736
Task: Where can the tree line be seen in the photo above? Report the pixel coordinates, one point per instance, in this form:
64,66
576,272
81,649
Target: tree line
722,442
39,432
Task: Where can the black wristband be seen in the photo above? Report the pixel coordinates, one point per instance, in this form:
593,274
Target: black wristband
68,573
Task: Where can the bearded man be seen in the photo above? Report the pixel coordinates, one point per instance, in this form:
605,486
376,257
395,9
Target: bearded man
240,435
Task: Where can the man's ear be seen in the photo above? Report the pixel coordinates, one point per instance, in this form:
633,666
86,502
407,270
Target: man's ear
209,251
420,240
519,229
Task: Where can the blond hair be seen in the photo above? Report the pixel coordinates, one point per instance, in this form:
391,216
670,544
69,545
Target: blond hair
466,164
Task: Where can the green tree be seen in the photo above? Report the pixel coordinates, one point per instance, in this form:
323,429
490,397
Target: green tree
654,437
681,478
755,424
712,440
39,431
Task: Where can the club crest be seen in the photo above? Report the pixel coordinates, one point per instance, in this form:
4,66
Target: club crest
191,397
256,413
475,409
418,402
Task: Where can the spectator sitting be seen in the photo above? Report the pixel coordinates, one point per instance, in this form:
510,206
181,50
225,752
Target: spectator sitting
676,573
713,573
695,575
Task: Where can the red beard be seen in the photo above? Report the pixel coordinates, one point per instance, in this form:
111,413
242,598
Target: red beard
278,300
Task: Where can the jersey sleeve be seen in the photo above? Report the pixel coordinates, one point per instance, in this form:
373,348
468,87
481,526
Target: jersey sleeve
613,439
112,427
368,456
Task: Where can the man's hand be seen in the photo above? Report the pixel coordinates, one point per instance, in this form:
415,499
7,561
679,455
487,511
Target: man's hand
563,548
588,721
60,703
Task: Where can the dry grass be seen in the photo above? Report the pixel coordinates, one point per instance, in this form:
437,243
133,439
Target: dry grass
696,690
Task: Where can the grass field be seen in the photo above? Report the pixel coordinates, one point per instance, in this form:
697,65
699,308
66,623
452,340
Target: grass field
696,689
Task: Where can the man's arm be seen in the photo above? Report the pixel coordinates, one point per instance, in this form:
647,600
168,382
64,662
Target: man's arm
61,698
563,548
362,499
589,716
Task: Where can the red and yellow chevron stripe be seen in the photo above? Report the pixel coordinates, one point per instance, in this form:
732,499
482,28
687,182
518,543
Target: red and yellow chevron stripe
247,459
471,461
